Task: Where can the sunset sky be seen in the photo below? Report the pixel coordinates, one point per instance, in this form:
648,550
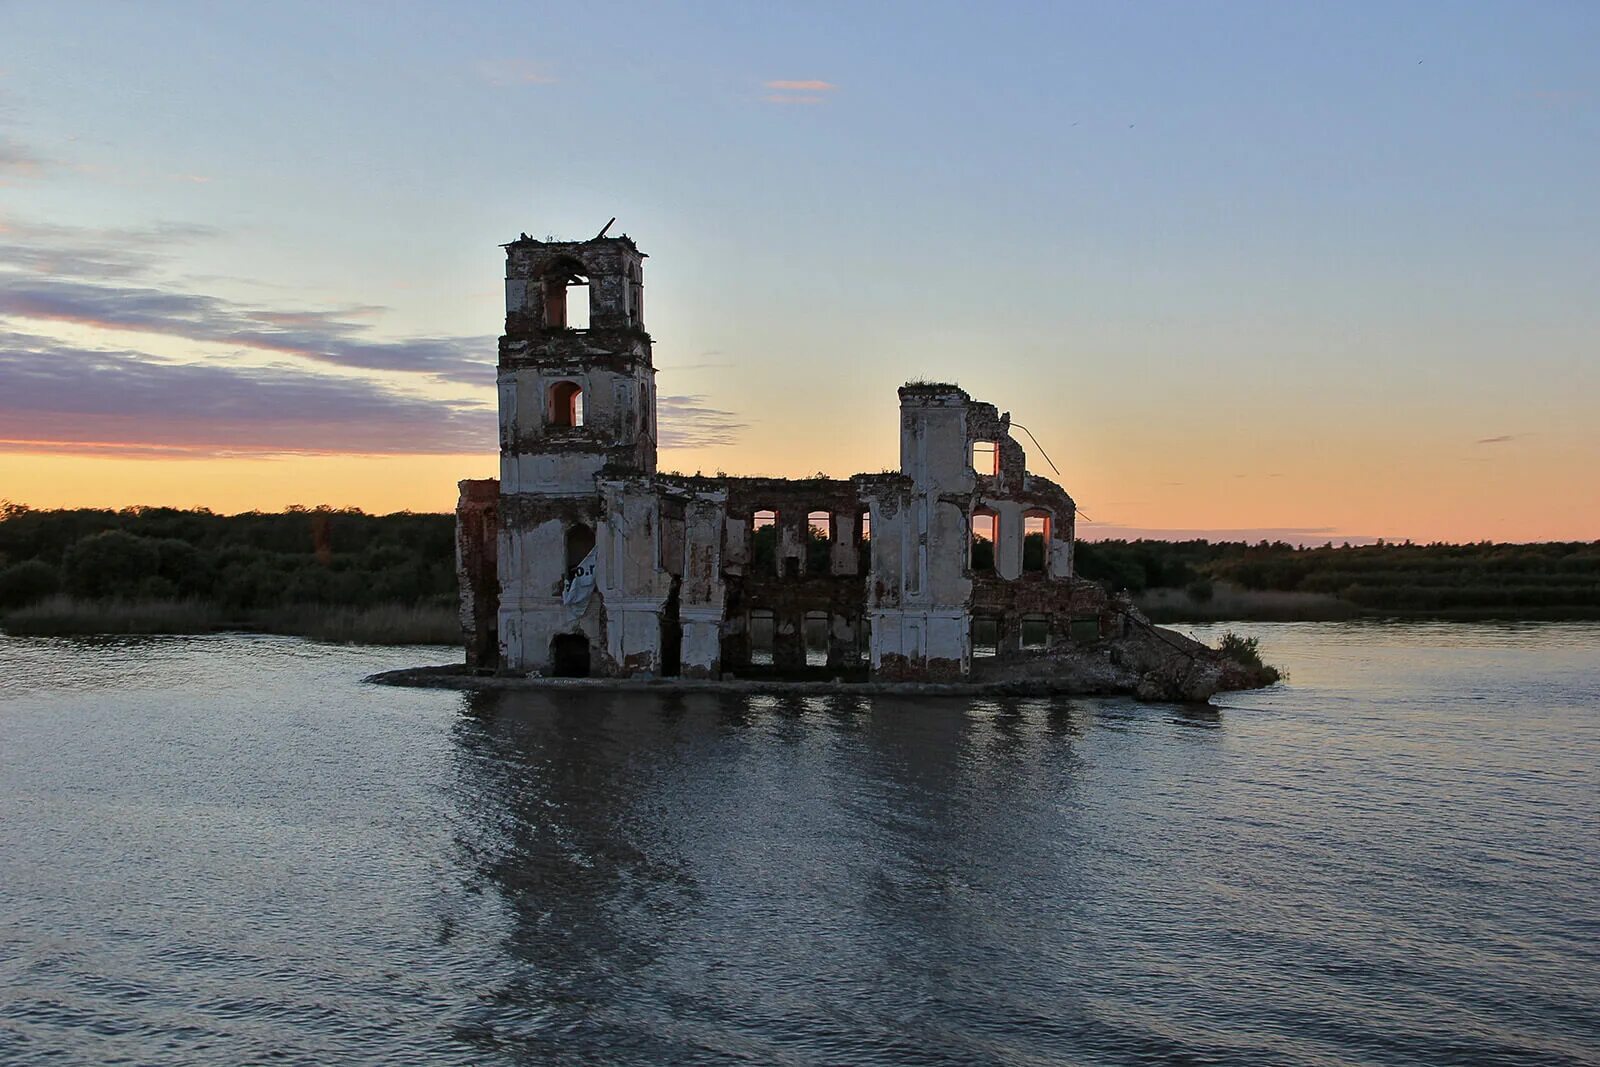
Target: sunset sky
1317,271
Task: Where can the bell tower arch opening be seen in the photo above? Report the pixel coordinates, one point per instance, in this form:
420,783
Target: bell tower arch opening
564,292
566,404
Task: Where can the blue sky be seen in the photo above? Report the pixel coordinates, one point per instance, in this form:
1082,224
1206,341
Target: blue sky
1236,265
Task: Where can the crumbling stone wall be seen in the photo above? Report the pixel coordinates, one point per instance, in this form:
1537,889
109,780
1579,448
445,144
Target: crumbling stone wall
794,584
678,584
477,534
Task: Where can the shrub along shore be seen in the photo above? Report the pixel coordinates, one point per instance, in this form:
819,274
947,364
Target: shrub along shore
342,575
379,624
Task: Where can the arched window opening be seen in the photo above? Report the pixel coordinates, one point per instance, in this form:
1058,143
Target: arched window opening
580,542
764,541
985,535
763,636
816,637
985,457
864,543
1035,541
819,542
985,637
566,404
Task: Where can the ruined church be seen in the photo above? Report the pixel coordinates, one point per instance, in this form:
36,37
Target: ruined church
583,559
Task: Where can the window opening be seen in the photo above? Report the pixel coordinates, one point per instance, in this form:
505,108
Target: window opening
985,457
566,404
1035,540
1035,632
864,544
985,637
566,298
1084,629
985,534
764,541
569,655
577,298
819,542
763,636
816,636
580,542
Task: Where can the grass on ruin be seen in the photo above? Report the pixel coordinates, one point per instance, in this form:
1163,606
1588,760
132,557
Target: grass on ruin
383,624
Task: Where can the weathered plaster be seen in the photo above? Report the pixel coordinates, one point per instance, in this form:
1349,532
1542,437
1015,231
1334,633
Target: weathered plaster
678,577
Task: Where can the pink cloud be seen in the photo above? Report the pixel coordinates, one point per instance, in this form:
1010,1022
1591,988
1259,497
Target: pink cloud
811,86
508,72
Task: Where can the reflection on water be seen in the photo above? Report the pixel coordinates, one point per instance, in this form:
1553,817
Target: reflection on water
225,849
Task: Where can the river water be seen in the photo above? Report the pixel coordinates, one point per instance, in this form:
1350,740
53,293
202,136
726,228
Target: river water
227,850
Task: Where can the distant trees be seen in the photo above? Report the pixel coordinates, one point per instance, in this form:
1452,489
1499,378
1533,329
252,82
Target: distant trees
24,583
1551,579
323,556
251,561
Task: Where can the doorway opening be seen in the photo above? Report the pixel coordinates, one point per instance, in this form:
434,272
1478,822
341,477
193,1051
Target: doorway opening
569,655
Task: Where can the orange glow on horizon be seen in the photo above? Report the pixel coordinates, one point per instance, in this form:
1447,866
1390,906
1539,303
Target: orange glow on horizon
1374,488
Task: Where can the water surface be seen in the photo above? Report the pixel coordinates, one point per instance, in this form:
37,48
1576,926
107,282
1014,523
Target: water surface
227,849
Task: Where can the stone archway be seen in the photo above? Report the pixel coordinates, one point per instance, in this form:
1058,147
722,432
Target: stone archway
569,655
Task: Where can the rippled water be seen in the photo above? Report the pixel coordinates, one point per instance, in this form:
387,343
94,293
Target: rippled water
226,849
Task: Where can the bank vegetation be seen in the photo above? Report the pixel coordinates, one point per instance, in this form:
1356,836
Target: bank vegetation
342,575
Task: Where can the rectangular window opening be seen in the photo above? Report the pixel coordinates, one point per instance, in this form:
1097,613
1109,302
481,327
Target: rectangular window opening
985,637
763,635
1084,629
577,307
819,542
985,534
764,541
1035,633
986,457
816,635
1035,541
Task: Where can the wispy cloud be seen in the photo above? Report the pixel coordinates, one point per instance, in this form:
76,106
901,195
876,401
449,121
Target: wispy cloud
17,161
809,86
88,253
322,336
505,73
69,399
689,422
798,91
692,366
1502,439
104,279
67,396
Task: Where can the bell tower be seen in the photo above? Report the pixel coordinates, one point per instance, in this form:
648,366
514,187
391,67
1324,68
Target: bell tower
576,381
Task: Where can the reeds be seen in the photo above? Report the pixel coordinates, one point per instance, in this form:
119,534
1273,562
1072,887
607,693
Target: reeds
1229,602
61,614
381,624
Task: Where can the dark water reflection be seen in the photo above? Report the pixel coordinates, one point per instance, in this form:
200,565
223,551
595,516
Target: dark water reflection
223,850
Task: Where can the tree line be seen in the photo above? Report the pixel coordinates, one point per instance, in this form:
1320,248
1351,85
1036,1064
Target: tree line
244,562
1555,579
345,557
